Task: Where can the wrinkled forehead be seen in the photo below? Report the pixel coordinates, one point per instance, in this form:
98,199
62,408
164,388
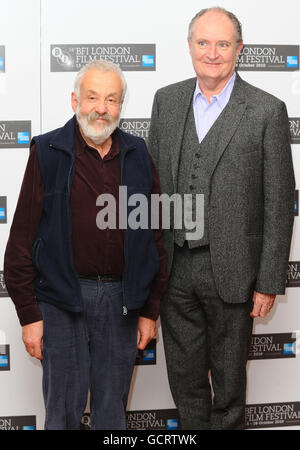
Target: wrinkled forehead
98,81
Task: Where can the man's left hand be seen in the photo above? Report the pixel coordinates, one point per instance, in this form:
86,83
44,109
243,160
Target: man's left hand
263,303
146,331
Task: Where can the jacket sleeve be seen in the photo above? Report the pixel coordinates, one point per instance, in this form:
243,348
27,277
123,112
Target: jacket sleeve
279,191
153,141
19,272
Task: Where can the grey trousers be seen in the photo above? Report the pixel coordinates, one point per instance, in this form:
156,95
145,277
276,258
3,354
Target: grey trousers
202,333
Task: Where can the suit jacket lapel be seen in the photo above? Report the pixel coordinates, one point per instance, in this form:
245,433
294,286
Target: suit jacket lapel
220,134
185,95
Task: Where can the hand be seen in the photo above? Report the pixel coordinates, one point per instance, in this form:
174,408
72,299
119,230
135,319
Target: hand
263,303
146,331
32,335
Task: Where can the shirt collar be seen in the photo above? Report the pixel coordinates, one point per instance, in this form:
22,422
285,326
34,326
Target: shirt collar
222,97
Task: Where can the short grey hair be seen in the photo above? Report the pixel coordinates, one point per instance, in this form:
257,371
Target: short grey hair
102,66
236,23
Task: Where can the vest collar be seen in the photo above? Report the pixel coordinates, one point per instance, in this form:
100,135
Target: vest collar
64,138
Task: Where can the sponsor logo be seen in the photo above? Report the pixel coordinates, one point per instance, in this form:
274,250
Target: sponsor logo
2,58
18,423
160,419
273,346
289,349
3,290
15,134
23,137
148,355
172,424
3,210
295,129
293,274
148,60
4,358
136,127
292,61
130,57
263,57
272,415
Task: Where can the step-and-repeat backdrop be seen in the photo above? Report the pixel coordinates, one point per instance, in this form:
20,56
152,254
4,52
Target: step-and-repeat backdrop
42,45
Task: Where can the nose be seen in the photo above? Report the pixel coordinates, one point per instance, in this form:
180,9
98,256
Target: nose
101,107
212,52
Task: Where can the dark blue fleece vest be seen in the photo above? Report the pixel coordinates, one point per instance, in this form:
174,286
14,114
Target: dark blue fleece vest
57,281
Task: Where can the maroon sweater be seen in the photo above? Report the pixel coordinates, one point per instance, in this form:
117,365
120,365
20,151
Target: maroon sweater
95,251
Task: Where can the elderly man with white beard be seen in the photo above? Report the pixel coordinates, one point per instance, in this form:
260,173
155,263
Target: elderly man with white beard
86,297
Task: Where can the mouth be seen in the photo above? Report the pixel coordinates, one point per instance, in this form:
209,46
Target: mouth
96,118
212,64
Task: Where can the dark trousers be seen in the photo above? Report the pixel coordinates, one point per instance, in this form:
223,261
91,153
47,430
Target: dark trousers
95,349
201,333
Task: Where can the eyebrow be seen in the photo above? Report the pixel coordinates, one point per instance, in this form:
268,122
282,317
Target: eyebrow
90,91
206,40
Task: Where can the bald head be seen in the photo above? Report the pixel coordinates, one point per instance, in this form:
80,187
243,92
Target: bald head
235,22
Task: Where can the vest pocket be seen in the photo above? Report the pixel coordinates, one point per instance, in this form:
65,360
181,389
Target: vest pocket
35,258
35,253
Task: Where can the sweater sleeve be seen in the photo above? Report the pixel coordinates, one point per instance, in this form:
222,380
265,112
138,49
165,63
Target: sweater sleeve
19,272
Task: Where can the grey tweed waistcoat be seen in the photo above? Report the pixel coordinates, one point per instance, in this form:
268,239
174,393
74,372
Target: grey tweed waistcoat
193,178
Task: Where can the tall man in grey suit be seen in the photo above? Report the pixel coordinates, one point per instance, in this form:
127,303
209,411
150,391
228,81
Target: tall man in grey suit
219,136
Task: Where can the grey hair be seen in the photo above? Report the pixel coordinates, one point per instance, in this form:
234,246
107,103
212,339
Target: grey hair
102,66
236,23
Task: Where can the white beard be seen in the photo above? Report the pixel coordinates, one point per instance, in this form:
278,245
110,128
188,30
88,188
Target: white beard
97,136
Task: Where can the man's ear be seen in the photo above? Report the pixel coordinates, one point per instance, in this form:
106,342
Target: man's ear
189,44
239,48
74,102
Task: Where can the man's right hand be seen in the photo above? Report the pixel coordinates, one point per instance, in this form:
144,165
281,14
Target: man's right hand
32,335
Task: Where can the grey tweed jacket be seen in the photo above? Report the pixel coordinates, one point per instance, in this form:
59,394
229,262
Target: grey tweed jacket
251,208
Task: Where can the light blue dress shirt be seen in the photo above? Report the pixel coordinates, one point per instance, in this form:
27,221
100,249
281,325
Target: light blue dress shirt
207,113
